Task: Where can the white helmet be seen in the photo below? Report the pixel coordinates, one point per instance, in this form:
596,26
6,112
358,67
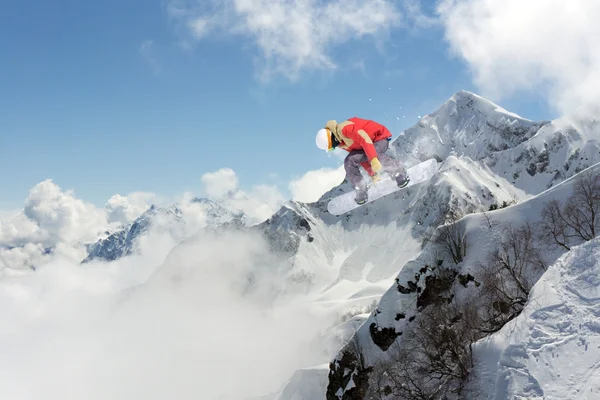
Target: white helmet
323,139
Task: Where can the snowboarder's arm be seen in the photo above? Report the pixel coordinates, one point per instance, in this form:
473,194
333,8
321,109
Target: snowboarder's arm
366,143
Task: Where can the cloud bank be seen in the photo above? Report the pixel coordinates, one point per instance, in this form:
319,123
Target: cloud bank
536,45
188,328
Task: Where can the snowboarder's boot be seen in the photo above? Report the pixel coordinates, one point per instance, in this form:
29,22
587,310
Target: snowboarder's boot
361,194
402,180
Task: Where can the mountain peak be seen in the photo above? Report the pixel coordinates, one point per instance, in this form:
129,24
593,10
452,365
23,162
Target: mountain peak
465,100
467,124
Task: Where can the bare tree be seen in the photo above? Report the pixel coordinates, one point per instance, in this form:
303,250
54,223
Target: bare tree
578,219
508,274
488,218
582,211
554,230
452,238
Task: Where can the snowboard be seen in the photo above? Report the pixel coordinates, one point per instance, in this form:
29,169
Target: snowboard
417,174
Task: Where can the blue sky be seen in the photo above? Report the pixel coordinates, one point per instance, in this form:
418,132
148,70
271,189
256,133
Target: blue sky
116,97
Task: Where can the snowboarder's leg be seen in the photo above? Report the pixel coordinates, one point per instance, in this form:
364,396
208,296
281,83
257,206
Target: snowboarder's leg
393,167
352,164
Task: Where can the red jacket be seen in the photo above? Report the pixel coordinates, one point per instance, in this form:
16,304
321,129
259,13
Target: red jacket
359,134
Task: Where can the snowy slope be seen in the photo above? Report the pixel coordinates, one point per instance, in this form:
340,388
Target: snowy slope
306,383
398,308
551,350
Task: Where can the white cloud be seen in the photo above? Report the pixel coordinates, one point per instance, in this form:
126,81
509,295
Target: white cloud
258,204
219,183
51,218
18,230
8,214
417,16
62,216
28,256
125,209
312,185
515,45
291,36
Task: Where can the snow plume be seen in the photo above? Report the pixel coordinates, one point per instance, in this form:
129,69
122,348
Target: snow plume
292,35
514,45
194,327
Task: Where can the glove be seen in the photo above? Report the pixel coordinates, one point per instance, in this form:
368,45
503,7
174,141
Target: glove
375,165
375,178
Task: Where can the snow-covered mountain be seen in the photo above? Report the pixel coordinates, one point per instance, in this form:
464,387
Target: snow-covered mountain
122,242
468,125
532,155
559,150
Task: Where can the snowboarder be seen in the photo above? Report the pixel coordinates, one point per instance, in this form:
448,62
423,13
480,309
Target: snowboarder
367,142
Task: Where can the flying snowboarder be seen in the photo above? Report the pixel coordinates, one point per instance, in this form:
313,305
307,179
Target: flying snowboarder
366,142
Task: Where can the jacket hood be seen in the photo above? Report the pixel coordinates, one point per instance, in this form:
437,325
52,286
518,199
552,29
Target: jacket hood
331,125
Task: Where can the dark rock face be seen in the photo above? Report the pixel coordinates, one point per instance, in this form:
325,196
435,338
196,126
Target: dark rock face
115,246
350,366
383,337
284,231
435,287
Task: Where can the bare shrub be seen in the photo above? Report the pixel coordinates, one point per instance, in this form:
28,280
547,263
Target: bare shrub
508,274
579,218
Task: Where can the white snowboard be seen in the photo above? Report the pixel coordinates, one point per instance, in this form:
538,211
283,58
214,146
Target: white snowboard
417,174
